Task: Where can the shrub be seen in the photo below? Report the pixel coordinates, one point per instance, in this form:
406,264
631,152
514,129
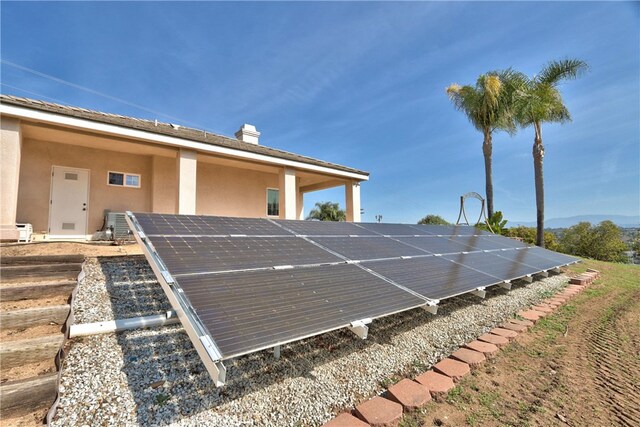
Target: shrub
528,235
602,242
433,220
496,222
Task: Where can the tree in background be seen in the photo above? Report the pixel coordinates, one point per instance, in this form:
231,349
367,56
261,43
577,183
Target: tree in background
602,242
528,235
487,105
433,220
537,100
327,211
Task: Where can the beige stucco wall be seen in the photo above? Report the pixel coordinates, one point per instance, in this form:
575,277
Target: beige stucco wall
163,185
230,191
10,153
38,157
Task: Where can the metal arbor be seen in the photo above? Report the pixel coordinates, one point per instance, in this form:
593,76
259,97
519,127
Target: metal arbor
463,213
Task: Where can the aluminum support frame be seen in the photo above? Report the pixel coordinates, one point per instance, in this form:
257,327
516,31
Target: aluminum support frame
505,285
198,334
479,292
431,307
360,328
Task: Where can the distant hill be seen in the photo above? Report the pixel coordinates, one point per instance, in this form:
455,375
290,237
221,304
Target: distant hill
625,221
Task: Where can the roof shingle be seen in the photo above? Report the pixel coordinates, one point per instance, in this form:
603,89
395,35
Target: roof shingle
168,129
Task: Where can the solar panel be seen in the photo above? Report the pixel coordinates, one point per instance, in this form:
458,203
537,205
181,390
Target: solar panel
433,277
247,311
240,285
366,247
560,259
171,225
324,228
525,256
435,245
504,242
202,254
494,265
451,230
394,229
483,243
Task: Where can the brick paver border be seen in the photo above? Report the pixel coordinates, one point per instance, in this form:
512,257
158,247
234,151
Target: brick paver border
407,394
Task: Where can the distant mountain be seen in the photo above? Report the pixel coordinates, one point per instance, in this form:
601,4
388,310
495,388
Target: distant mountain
625,221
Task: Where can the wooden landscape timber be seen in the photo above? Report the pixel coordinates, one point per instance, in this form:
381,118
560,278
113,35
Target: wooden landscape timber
36,316
37,290
30,350
44,286
22,396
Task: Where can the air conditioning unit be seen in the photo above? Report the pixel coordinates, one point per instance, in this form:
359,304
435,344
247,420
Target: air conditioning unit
117,223
114,228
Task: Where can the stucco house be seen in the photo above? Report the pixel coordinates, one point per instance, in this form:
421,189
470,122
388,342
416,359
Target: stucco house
62,167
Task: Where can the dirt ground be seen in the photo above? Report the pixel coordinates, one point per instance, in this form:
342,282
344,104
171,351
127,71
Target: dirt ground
578,367
66,248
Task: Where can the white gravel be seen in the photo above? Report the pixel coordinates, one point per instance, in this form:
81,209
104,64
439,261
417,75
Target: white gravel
107,379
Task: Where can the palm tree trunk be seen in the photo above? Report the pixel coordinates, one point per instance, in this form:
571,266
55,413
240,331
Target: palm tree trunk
538,155
488,174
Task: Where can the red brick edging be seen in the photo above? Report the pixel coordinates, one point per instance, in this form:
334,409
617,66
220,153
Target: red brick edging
408,395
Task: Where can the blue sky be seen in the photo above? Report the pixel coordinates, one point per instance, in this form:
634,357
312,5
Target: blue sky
360,84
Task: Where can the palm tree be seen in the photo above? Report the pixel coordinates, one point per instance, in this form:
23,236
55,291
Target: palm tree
538,100
487,106
327,211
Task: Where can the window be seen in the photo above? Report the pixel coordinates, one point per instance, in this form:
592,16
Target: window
273,202
121,179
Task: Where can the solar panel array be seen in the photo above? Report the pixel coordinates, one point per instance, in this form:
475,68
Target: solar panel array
258,283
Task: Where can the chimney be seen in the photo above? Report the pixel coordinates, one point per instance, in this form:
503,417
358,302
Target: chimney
248,133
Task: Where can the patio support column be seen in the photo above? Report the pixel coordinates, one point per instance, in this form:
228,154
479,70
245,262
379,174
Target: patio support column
10,152
352,194
288,196
186,173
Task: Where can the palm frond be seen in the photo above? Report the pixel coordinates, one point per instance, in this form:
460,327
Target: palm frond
564,69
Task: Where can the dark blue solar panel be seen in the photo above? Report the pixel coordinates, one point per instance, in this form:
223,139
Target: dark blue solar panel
324,228
435,245
250,310
538,257
494,265
394,229
432,277
451,230
366,247
202,225
204,254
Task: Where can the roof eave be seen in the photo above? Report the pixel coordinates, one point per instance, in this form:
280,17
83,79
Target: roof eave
24,112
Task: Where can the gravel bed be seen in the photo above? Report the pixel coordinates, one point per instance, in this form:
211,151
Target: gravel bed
118,287
155,377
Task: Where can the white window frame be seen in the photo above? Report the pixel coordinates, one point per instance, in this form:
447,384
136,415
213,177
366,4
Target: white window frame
124,179
267,202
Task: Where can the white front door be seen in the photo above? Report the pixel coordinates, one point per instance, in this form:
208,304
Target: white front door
69,203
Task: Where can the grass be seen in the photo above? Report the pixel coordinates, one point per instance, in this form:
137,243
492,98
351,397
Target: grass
479,403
